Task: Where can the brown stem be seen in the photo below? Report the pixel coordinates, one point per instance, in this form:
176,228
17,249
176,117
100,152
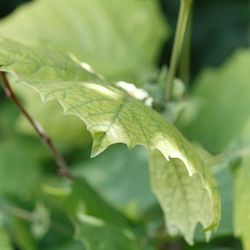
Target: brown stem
62,166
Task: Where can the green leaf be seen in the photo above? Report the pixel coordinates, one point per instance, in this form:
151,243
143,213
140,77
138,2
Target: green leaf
242,203
86,200
110,113
96,235
185,200
242,187
4,240
118,38
98,225
224,96
224,179
118,180
17,162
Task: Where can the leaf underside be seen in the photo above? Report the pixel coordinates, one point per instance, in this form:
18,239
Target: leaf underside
110,113
184,200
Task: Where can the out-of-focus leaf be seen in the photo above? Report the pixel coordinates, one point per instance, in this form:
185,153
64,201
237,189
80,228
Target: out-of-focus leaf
22,235
73,245
4,241
119,39
85,199
101,230
224,96
225,186
20,171
185,200
211,246
115,174
98,225
96,235
242,203
242,188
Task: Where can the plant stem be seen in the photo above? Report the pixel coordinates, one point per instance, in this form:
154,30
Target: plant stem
184,11
217,159
62,166
185,55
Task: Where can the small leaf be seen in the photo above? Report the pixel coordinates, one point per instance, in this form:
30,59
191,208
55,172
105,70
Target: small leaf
185,200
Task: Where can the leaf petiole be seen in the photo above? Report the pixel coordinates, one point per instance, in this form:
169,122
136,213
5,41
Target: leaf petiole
184,11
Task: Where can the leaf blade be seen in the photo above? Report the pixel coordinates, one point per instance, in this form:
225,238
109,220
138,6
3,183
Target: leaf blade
110,113
185,200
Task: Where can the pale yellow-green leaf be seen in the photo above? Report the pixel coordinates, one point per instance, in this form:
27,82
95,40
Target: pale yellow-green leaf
186,200
110,113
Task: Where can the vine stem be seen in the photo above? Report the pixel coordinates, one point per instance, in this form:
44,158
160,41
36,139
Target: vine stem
61,163
217,159
183,16
184,71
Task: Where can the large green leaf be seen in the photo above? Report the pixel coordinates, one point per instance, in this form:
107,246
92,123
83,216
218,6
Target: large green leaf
224,96
120,39
110,113
184,199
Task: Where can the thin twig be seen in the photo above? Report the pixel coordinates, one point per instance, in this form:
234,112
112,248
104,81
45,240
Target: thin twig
62,166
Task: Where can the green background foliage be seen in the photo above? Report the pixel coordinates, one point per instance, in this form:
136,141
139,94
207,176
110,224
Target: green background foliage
111,205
